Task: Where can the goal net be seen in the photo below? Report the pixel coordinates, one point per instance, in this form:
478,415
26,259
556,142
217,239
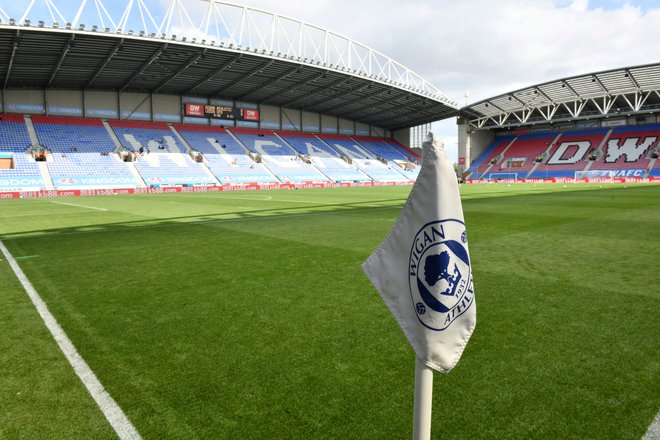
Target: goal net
595,174
503,176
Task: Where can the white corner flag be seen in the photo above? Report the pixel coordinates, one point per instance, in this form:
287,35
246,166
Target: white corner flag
422,271
422,268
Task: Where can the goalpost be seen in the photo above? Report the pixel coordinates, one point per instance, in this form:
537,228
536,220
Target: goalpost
595,174
503,176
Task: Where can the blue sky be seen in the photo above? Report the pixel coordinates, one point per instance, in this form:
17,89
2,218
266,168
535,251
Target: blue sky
610,5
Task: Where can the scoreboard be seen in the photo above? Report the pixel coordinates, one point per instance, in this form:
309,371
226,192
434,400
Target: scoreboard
221,112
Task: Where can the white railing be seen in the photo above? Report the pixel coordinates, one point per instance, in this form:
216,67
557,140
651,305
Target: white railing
225,25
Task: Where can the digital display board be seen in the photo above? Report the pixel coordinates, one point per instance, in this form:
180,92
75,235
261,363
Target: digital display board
221,112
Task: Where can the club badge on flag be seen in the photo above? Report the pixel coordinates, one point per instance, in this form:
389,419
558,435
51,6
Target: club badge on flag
422,268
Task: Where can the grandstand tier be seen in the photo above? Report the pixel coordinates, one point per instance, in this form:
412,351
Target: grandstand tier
602,152
83,153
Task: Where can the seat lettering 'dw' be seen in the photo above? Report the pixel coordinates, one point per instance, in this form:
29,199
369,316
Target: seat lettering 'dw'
569,153
632,148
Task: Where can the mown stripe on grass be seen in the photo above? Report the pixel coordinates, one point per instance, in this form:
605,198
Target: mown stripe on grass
112,412
158,223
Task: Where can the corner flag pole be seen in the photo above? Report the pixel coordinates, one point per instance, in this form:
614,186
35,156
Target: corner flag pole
423,401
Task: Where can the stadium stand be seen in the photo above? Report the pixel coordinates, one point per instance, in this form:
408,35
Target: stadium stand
627,151
481,165
278,157
399,159
363,159
324,157
521,155
600,152
19,168
83,153
227,159
162,158
570,153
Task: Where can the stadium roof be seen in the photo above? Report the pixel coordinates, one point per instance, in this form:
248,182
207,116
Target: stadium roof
618,92
258,57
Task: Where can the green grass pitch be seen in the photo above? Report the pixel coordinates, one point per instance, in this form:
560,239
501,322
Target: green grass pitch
245,315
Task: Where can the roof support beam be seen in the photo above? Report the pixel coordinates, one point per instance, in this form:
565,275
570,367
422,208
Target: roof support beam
220,69
243,77
296,86
190,62
389,100
630,76
597,80
10,63
144,66
105,62
269,82
68,46
566,84
343,104
540,92
324,99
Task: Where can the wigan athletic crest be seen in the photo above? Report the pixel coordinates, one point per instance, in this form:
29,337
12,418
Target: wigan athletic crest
440,278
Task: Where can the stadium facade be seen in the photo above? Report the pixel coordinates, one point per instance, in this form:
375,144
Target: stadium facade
599,125
211,94
118,82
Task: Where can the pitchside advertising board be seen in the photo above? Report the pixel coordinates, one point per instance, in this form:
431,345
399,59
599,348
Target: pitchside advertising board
221,112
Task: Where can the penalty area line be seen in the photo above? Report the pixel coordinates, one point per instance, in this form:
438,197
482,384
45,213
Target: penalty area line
79,206
112,412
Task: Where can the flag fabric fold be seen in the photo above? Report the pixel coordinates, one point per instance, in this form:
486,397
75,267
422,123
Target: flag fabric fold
422,268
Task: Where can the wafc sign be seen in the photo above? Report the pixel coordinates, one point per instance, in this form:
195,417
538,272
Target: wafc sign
221,112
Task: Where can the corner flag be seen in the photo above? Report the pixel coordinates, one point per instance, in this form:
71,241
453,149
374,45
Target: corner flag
422,268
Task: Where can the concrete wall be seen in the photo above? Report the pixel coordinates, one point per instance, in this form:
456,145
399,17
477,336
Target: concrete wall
24,101
471,143
362,129
270,117
101,105
402,136
291,119
377,131
311,122
328,124
169,108
64,102
135,106
346,127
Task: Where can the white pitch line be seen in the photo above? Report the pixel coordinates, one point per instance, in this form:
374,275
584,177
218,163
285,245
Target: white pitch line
112,412
204,222
80,206
653,433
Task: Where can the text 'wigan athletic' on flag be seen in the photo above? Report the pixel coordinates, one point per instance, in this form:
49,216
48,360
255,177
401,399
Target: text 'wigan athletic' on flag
422,268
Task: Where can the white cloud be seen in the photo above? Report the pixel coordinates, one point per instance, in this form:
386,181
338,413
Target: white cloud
484,46
489,47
